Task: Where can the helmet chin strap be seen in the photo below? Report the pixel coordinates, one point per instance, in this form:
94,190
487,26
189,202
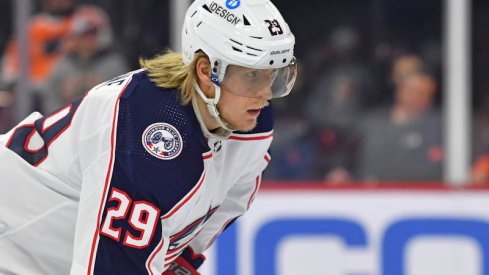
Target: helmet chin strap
211,104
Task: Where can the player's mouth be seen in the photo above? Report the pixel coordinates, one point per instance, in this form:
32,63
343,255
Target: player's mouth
254,112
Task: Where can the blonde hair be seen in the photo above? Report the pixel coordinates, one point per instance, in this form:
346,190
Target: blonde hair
168,71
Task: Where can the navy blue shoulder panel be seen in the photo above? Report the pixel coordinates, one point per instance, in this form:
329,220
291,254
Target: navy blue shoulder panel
165,181
144,178
265,121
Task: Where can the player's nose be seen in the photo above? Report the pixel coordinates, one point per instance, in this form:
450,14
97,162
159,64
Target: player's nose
265,93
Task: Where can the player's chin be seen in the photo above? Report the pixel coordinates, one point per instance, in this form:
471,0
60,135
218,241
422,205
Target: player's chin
247,125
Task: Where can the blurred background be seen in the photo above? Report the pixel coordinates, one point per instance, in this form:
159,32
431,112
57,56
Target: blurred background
374,80
389,94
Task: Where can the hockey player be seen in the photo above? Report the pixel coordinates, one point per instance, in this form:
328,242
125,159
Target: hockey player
142,174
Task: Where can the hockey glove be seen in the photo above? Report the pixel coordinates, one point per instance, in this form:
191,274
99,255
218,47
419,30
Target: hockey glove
186,264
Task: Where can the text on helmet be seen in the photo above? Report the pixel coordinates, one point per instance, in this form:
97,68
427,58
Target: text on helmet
279,52
224,13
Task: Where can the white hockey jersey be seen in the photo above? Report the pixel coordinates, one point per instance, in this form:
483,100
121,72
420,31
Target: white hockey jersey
120,182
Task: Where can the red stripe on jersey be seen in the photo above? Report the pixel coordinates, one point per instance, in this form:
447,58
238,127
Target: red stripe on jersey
267,158
175,255
189,196
179,249
257,186
152,257
207,155
170,258
107,181
244,137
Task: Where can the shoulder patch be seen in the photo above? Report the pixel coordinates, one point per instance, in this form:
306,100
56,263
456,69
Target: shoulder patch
162,140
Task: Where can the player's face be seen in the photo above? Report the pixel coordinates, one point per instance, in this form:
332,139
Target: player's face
242,112
240,101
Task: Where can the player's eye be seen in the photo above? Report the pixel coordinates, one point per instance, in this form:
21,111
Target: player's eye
252,74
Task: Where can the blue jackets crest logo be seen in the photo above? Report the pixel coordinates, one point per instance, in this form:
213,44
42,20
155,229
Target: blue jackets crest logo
232,4
162,140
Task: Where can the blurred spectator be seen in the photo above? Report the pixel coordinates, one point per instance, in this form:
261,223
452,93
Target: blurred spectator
480,126
6,23
46,32
335,104
6,109
336,101
345,84
292,151
404,65
480,140
89,59
404,142
479,173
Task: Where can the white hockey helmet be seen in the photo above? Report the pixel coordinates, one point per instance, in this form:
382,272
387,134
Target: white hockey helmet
245,34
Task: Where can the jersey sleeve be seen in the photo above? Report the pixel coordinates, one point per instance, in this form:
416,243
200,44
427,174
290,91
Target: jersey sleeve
240,196
237,202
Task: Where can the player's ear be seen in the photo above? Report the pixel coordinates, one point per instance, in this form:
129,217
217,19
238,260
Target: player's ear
203,73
